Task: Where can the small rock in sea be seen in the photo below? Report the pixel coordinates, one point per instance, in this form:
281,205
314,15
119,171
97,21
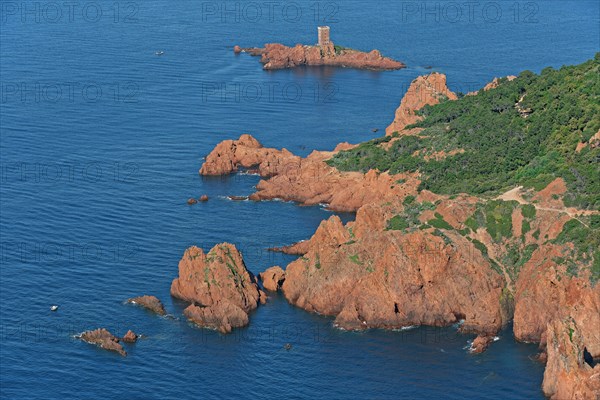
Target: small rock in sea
203,198
428,67
53,308
151,303
130,337
238,198
374,130
103,339
192,201
287,346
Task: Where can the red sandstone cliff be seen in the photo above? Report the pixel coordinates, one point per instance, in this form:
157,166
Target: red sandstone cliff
568,375
369,276
428,89
218,285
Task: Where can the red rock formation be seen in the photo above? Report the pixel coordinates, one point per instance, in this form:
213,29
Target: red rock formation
545,292
222,316
279,56
203,198
481,343
492,85
103,339
388,279
218,285
272,278
299,248
130,337
309,181
151,303
428,89
246,152
551,195
567,374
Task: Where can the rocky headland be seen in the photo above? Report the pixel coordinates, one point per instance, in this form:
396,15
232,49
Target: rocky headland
219,288
278,56
414,257
308,181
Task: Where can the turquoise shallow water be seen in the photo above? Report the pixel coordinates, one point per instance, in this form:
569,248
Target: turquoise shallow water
101,141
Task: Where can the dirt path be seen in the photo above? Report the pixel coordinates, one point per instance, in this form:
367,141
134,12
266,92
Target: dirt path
515,195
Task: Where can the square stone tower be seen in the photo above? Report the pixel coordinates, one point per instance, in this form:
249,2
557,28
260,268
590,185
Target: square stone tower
323,36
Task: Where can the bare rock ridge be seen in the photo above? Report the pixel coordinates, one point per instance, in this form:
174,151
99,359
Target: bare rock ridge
222,292
429,89
279,56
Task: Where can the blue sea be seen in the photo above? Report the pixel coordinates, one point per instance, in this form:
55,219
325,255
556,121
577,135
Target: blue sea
101,142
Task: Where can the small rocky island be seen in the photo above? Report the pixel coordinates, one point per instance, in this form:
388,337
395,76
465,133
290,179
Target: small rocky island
279,56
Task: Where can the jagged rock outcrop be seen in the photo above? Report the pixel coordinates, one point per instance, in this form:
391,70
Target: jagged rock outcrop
222,291
279,56
247,152
570,371
310,180
272,278
492,85
545,292
388,279
428,89
151,303
103,339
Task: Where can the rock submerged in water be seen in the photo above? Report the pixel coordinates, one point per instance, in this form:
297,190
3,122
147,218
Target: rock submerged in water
192,201
222,291
272,278
238,198
103,339
151,303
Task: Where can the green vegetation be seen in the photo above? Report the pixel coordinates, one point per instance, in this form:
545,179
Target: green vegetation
528,211
522,133
354,258
586,242
409,217
571,330
525,227
514,258
340,49
397,223
498,215
439,222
